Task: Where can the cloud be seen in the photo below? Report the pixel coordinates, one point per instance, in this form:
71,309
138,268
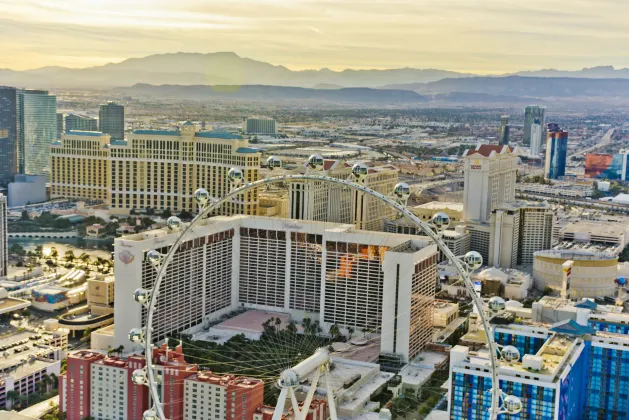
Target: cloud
451,34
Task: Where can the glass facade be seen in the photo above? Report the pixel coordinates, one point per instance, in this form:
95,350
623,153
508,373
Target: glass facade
556,154
111,120
471,399
37,129
608,384
525,344
609,327
532,115
8,133
593,385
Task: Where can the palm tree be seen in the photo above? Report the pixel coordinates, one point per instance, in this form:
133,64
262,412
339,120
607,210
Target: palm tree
84,258
54,381
69,256
11,397
350,331
307,324
335,330
46,381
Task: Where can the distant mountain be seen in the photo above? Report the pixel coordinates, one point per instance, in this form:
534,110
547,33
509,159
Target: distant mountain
227,68
536,87
481,98
210,69
329,86
600,72
275,93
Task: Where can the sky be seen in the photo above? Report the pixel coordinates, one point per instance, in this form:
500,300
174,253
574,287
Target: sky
478,36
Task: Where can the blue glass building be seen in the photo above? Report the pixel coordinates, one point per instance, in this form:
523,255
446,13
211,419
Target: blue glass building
556,152
585,373
37,130
8,133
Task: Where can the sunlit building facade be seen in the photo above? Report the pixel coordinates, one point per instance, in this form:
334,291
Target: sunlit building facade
154,169
328,272
80,167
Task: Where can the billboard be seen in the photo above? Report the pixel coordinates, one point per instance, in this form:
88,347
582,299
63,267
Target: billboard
606,166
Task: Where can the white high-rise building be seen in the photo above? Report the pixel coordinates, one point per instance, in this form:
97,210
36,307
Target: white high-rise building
490,173
322,201
4,246
325,271
518,230
536,232
537,137
490,177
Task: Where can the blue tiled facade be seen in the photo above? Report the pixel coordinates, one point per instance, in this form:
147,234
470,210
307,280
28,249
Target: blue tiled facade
526,344
472,399
593,385
609,327
607,385
572,388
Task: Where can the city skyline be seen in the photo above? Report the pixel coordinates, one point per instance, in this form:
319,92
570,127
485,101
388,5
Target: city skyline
335,34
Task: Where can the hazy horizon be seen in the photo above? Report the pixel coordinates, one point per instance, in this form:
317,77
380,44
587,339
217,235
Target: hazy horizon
487,37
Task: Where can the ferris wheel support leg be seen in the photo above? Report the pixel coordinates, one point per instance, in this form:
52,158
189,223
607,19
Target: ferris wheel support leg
331,403
279,408
294,403
301,415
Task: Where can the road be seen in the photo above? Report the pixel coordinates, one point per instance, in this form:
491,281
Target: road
603,205
418,189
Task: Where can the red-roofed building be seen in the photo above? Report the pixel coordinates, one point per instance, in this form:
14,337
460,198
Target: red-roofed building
489,150
75,385
173,370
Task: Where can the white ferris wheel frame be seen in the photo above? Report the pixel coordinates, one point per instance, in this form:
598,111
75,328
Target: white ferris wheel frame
213,204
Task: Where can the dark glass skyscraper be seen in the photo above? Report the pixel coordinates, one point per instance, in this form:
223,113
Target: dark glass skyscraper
111,120
533,114
60,128
503,134
556,152
8,136
80,123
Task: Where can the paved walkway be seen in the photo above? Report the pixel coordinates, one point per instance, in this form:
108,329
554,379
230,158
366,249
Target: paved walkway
38,410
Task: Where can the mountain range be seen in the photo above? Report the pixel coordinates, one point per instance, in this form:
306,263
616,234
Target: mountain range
227,68
276,93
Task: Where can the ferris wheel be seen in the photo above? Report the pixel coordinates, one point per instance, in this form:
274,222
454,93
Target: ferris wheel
316,366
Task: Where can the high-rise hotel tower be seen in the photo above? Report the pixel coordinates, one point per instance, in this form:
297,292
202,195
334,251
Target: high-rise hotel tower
153,169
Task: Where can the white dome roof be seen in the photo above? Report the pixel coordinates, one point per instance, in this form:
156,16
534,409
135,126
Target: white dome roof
493,273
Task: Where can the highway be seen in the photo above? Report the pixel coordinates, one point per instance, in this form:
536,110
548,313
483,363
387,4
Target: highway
603,205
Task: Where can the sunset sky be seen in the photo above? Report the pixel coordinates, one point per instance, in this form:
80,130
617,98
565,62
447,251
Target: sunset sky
481,36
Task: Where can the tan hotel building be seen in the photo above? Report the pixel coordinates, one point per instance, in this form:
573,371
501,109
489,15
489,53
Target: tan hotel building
153,169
